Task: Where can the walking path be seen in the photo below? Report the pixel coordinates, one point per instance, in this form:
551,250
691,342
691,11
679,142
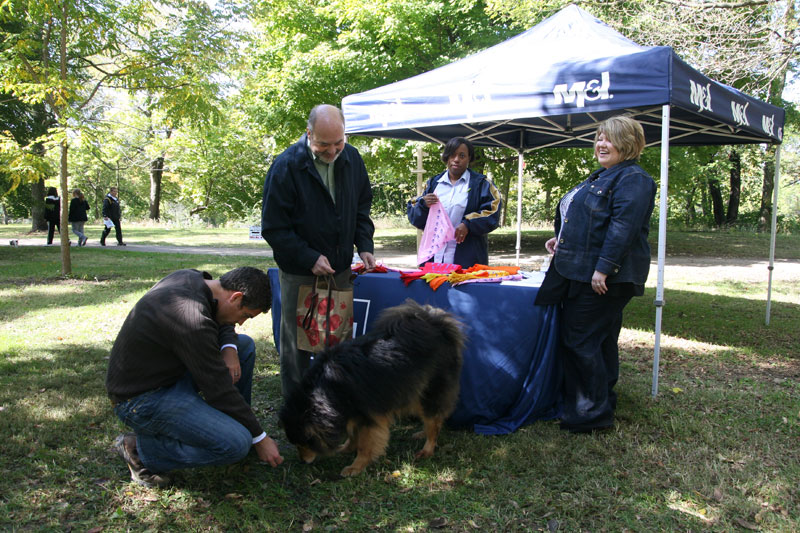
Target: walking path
745,270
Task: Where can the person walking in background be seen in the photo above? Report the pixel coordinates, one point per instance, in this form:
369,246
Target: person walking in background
52,213
471,201
111,216
316,205
78,207
601,260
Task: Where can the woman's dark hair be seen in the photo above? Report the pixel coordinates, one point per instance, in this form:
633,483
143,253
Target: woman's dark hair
51,191
453,144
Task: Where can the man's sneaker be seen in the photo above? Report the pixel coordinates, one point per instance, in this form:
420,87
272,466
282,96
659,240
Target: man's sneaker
121,244
125,446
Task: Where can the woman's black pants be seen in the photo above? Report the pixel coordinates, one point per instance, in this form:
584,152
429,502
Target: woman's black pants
590,326
51,229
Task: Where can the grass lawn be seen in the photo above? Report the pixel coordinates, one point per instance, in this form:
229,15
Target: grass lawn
717,450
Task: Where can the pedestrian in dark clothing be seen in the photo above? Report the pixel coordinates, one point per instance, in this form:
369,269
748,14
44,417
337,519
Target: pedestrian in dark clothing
111,216
78,207
52,213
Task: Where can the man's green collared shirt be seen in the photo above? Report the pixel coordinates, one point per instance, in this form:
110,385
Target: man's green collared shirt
325,171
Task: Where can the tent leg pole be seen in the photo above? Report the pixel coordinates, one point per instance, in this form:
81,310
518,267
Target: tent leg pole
419,172
662,242
520,163
773,229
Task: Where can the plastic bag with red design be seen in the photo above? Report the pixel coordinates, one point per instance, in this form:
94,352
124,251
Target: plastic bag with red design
324,315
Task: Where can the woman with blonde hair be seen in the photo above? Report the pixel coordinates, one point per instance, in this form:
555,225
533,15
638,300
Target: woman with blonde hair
601,259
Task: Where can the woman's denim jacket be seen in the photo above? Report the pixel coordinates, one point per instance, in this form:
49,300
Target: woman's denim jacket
606,226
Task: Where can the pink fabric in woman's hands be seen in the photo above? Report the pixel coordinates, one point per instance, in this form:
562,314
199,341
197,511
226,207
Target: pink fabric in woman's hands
438,230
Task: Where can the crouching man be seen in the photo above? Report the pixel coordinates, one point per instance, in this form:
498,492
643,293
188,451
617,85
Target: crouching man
180,376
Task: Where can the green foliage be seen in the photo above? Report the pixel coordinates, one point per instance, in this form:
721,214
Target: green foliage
312,52
220,170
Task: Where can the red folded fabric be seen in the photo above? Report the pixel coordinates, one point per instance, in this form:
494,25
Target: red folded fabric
359,269
408,277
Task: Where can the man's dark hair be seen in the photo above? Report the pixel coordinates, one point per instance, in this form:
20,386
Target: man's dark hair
252,283
453,144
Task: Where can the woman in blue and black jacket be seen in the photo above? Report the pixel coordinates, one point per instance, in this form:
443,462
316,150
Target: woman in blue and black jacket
601,260
471,201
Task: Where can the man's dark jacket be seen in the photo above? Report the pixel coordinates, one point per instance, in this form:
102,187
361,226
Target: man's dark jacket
111,208
299,219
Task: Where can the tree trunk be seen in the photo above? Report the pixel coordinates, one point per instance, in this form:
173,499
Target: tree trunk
765,211
156,173
690,212
506,188
38,223
704,202
66,259
548,202
716,202
736,187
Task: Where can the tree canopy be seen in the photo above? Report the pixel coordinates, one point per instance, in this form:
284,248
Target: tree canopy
183,104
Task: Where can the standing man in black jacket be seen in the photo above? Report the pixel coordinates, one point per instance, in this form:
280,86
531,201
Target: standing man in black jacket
316,204
112,213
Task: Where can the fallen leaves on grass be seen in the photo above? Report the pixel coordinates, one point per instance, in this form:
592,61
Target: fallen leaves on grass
745,524
438,523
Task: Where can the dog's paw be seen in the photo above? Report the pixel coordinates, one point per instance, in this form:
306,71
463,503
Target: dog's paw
350,471
419,435
423,454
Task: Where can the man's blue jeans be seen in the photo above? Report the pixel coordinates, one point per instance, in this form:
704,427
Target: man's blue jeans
176,428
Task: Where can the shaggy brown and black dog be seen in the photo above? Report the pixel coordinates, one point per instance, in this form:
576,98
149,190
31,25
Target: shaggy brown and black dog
408,363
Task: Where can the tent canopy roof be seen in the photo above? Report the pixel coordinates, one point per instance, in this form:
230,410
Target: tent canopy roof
549,87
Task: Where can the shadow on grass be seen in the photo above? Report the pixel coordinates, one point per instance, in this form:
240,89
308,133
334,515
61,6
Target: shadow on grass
57,430
98,276
58,467
736,323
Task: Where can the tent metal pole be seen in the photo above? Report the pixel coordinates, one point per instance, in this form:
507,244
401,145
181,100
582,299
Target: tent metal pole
771,266
520,162
420,171
662,241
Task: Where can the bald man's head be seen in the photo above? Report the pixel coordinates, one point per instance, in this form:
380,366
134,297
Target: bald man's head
325,130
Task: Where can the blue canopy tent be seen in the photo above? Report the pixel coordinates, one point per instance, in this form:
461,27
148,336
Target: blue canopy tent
551,85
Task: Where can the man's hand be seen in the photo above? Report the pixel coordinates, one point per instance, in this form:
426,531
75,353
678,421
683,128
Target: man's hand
268,452
368,259
231,358
461,232
551,245
322,267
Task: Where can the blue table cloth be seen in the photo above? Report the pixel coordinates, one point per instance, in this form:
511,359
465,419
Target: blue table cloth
511,375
